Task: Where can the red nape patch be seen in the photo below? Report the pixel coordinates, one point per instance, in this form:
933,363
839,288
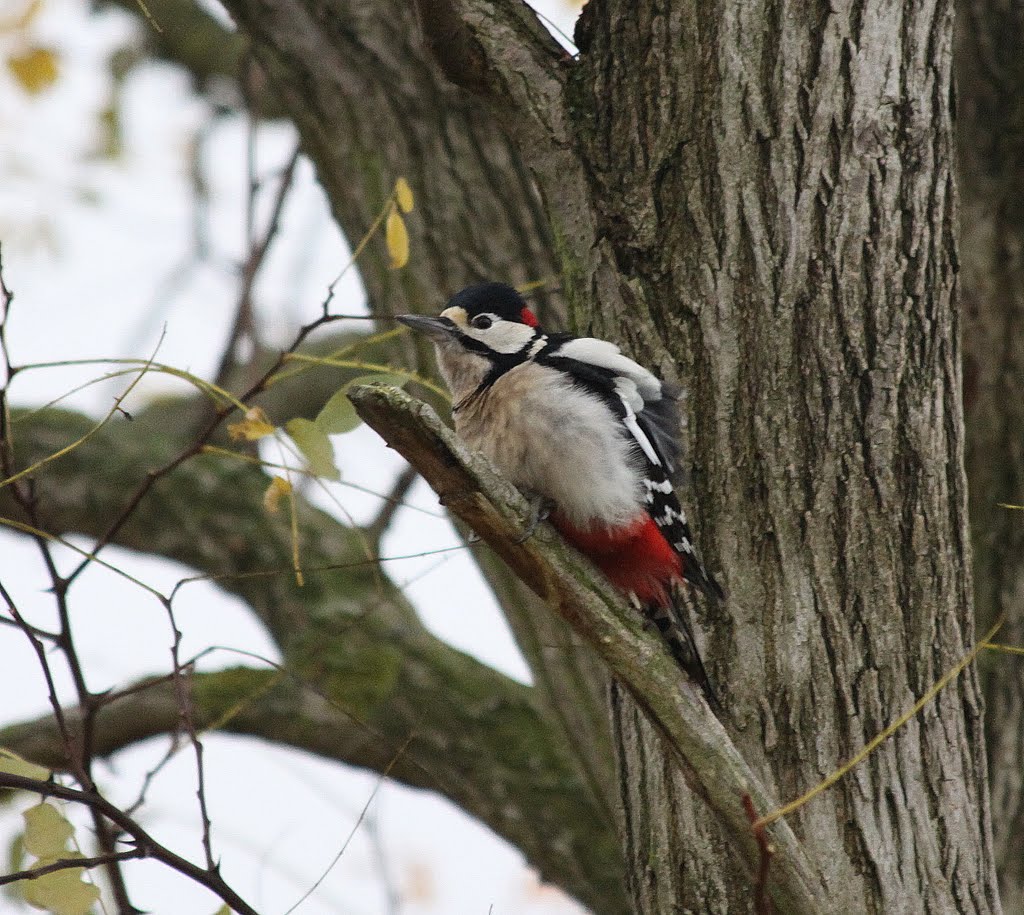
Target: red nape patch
528,317
636,557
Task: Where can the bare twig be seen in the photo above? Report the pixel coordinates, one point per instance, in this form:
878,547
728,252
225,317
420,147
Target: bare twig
63,864
74,760
144,842
355,828
244,323
393,501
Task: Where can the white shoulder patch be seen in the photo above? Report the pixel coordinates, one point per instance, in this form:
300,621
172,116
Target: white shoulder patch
628,393
607,355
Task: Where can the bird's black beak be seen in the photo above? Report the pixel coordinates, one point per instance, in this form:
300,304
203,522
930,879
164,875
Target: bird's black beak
435,328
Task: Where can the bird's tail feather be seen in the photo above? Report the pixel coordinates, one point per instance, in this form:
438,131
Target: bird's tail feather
673,622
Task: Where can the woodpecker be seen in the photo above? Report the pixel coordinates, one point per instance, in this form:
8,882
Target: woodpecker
585,430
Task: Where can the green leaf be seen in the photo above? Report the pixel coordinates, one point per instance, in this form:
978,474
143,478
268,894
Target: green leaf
62,892
46,831
13,764
315,447
338,415
223,910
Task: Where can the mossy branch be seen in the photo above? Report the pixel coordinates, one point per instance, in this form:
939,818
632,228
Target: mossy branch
471,489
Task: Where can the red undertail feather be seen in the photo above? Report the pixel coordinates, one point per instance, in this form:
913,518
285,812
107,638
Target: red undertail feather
636,557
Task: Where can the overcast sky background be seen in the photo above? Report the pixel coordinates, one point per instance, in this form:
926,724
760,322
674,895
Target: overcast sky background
93,249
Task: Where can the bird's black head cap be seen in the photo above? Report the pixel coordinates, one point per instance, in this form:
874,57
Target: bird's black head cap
493,298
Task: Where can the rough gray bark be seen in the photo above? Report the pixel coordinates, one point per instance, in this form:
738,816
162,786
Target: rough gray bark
796,201
770,196
990,75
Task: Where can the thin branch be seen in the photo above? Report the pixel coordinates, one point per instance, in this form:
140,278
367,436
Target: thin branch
144,842
74,761
393,501
352,832
63,864
258,250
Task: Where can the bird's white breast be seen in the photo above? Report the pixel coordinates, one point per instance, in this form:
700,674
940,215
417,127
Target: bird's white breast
553,438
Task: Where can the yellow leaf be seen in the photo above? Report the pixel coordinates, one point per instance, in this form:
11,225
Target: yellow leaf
46,831
61,892
403,194
315,447
223,910
397,239
255,426
35,69
13,764
279,488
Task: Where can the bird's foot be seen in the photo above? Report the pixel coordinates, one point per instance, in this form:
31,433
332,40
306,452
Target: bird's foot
540,510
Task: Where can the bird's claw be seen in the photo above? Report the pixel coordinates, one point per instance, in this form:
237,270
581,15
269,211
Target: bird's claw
540,510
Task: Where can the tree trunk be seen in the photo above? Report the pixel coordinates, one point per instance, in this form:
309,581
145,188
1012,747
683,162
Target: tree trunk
776,184
991,79
769,196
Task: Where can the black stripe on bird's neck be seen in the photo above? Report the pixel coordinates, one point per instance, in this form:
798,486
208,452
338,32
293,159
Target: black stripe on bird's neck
500,364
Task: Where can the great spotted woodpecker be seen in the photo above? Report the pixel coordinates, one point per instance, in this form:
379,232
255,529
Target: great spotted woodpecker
576,423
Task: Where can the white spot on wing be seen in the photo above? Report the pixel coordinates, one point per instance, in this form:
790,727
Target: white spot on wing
664,486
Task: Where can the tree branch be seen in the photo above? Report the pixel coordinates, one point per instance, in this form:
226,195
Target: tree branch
150,848
63,864
498,512
500,49
476,733
533,798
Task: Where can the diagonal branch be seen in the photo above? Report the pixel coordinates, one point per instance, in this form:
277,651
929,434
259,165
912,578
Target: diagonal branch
459,714
469,487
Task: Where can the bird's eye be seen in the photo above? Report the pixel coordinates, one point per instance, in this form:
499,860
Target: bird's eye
481,322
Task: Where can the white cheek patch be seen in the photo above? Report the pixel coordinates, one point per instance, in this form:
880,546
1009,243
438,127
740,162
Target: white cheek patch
504,337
